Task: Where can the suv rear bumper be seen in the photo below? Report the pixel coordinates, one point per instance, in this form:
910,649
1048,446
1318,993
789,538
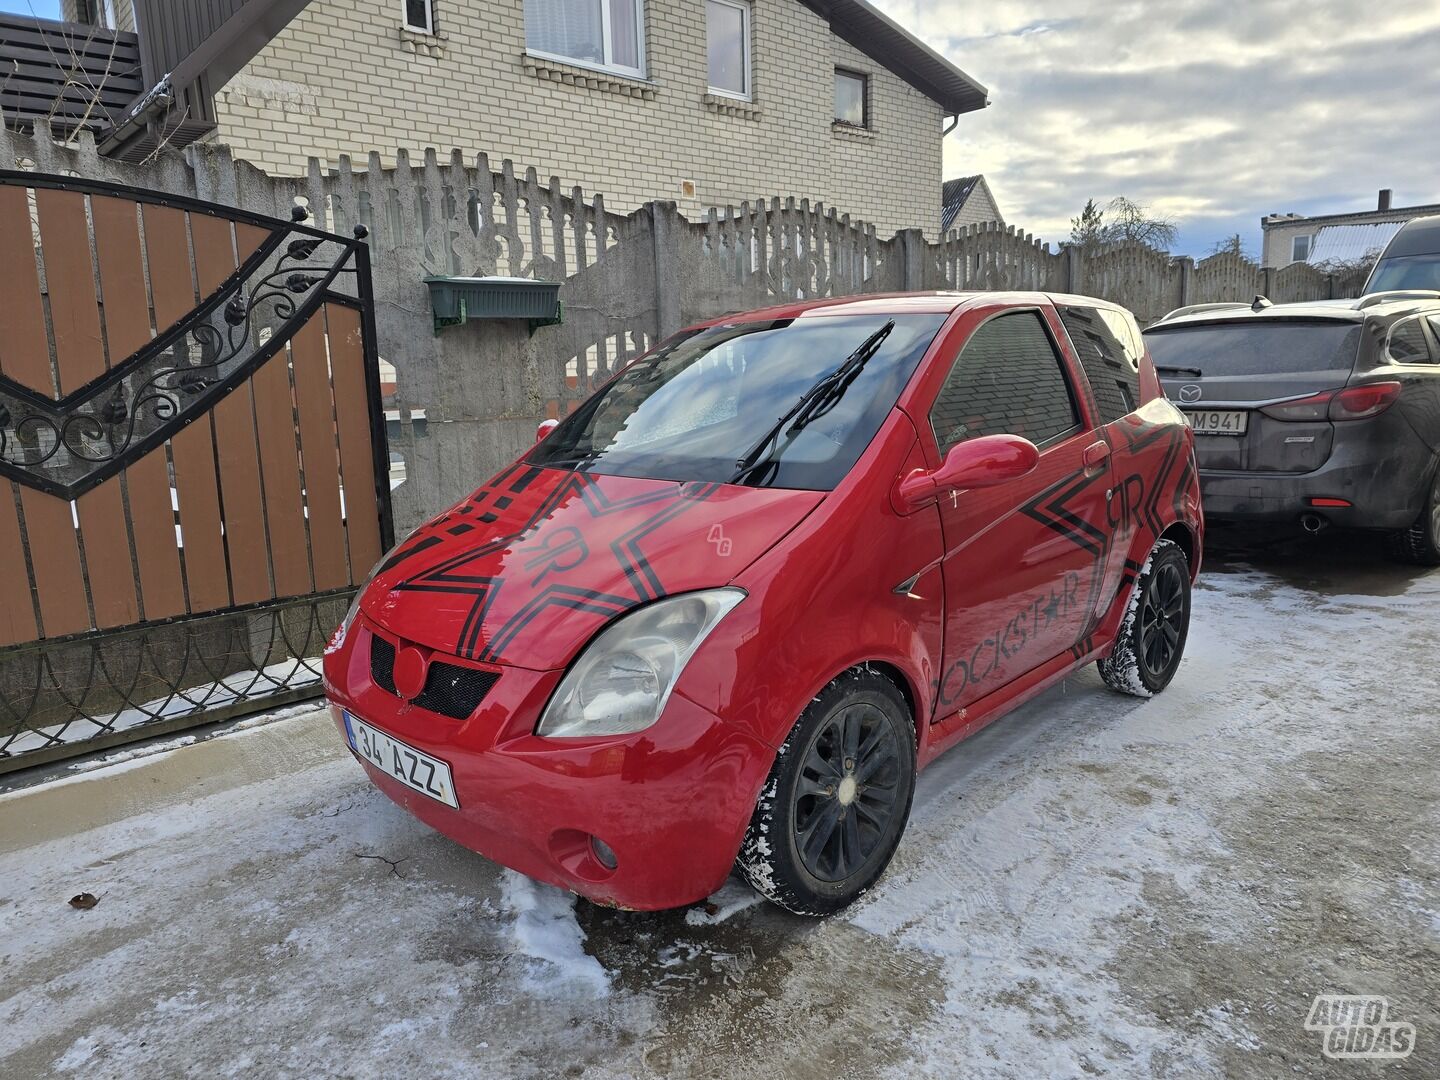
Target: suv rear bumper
1386,487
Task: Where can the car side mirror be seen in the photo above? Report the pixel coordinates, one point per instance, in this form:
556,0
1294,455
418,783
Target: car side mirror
977,463
546,426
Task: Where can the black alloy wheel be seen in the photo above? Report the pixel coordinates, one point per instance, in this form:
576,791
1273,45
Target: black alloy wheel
830,814
850,782
1164,613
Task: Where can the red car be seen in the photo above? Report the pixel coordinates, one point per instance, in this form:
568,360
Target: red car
724,612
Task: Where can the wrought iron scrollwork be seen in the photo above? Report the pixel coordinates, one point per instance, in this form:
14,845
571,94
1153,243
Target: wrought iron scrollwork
69,445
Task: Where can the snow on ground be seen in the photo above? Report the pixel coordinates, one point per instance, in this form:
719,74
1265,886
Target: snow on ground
1095,885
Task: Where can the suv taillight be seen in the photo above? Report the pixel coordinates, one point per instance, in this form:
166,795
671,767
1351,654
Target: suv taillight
1352,403
1365,401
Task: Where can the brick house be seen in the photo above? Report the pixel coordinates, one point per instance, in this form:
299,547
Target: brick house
706,102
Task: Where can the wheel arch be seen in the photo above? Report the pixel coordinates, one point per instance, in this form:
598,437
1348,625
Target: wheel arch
902,683
1181,534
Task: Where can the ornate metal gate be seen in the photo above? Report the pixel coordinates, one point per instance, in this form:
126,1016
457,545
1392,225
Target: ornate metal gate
193,472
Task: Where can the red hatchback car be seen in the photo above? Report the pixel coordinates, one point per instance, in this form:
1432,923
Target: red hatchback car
723,613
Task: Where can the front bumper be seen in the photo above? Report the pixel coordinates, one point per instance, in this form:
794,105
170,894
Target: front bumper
1386,489
672,802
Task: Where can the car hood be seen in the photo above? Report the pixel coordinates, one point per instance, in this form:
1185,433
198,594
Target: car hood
531,565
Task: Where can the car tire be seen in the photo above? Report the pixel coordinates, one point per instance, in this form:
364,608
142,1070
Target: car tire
837,799
1419,545
1151,642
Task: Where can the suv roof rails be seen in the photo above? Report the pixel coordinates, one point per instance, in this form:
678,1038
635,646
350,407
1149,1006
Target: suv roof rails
1191,309
1371,299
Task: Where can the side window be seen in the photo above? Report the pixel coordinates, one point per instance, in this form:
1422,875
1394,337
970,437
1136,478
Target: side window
1408,344
1007,380
1109,355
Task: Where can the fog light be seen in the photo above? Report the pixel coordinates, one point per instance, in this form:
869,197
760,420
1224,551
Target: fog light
603,855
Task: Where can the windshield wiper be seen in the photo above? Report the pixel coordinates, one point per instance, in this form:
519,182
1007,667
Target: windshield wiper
1168,370
813,404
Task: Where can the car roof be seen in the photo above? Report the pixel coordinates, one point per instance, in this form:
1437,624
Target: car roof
1418,236
916,303
1379,306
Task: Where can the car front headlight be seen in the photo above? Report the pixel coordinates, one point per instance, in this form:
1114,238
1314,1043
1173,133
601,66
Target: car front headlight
621,682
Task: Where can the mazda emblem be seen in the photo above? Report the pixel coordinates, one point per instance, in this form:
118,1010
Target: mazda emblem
1190,393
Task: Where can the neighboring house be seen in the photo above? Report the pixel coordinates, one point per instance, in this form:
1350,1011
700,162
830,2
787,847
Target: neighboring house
706,102
1335,238
967,201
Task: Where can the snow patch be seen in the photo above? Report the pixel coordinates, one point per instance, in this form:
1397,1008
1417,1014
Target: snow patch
545,930
733,897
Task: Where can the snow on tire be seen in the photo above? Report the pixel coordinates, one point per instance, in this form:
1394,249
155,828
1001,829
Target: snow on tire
1142,664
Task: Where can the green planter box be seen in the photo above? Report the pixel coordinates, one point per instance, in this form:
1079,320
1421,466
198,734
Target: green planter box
455,300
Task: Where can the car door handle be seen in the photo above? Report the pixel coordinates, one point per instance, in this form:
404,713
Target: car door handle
1096,454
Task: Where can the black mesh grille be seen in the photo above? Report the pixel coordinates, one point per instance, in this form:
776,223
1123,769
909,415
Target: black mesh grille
455,691
450,690
382,663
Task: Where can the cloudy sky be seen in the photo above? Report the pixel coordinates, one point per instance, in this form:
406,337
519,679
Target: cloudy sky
1214,112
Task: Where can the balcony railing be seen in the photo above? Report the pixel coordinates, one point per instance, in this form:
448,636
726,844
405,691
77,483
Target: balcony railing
75,76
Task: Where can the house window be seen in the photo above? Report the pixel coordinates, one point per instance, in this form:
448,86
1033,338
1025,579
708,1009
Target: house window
727,29
419,16
851,98
606,34
1300,249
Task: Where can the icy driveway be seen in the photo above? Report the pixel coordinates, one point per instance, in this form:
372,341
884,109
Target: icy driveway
1092,886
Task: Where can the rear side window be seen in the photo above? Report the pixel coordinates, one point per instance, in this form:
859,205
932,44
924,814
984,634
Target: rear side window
1110,356
1271,348
1007,380
1408,344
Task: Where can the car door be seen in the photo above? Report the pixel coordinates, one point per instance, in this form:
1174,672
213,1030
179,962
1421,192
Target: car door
1021,559
1108,347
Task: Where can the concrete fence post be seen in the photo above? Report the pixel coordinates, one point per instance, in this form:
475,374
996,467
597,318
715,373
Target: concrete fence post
1267,281
912,259
1074,269
666,238
1187,280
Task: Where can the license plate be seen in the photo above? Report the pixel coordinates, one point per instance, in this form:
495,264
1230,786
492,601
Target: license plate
1218,421
413,768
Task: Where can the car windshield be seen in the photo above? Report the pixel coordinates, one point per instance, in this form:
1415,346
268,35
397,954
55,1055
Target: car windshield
695,408
1405,272
1253,348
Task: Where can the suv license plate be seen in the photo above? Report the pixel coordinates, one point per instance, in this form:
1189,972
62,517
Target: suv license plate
413,768
1219,421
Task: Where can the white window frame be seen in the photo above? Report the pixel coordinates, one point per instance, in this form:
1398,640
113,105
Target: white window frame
864,77
429,17
607,34
744,8
1309,241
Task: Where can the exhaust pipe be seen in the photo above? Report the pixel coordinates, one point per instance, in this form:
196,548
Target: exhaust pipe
1312,523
